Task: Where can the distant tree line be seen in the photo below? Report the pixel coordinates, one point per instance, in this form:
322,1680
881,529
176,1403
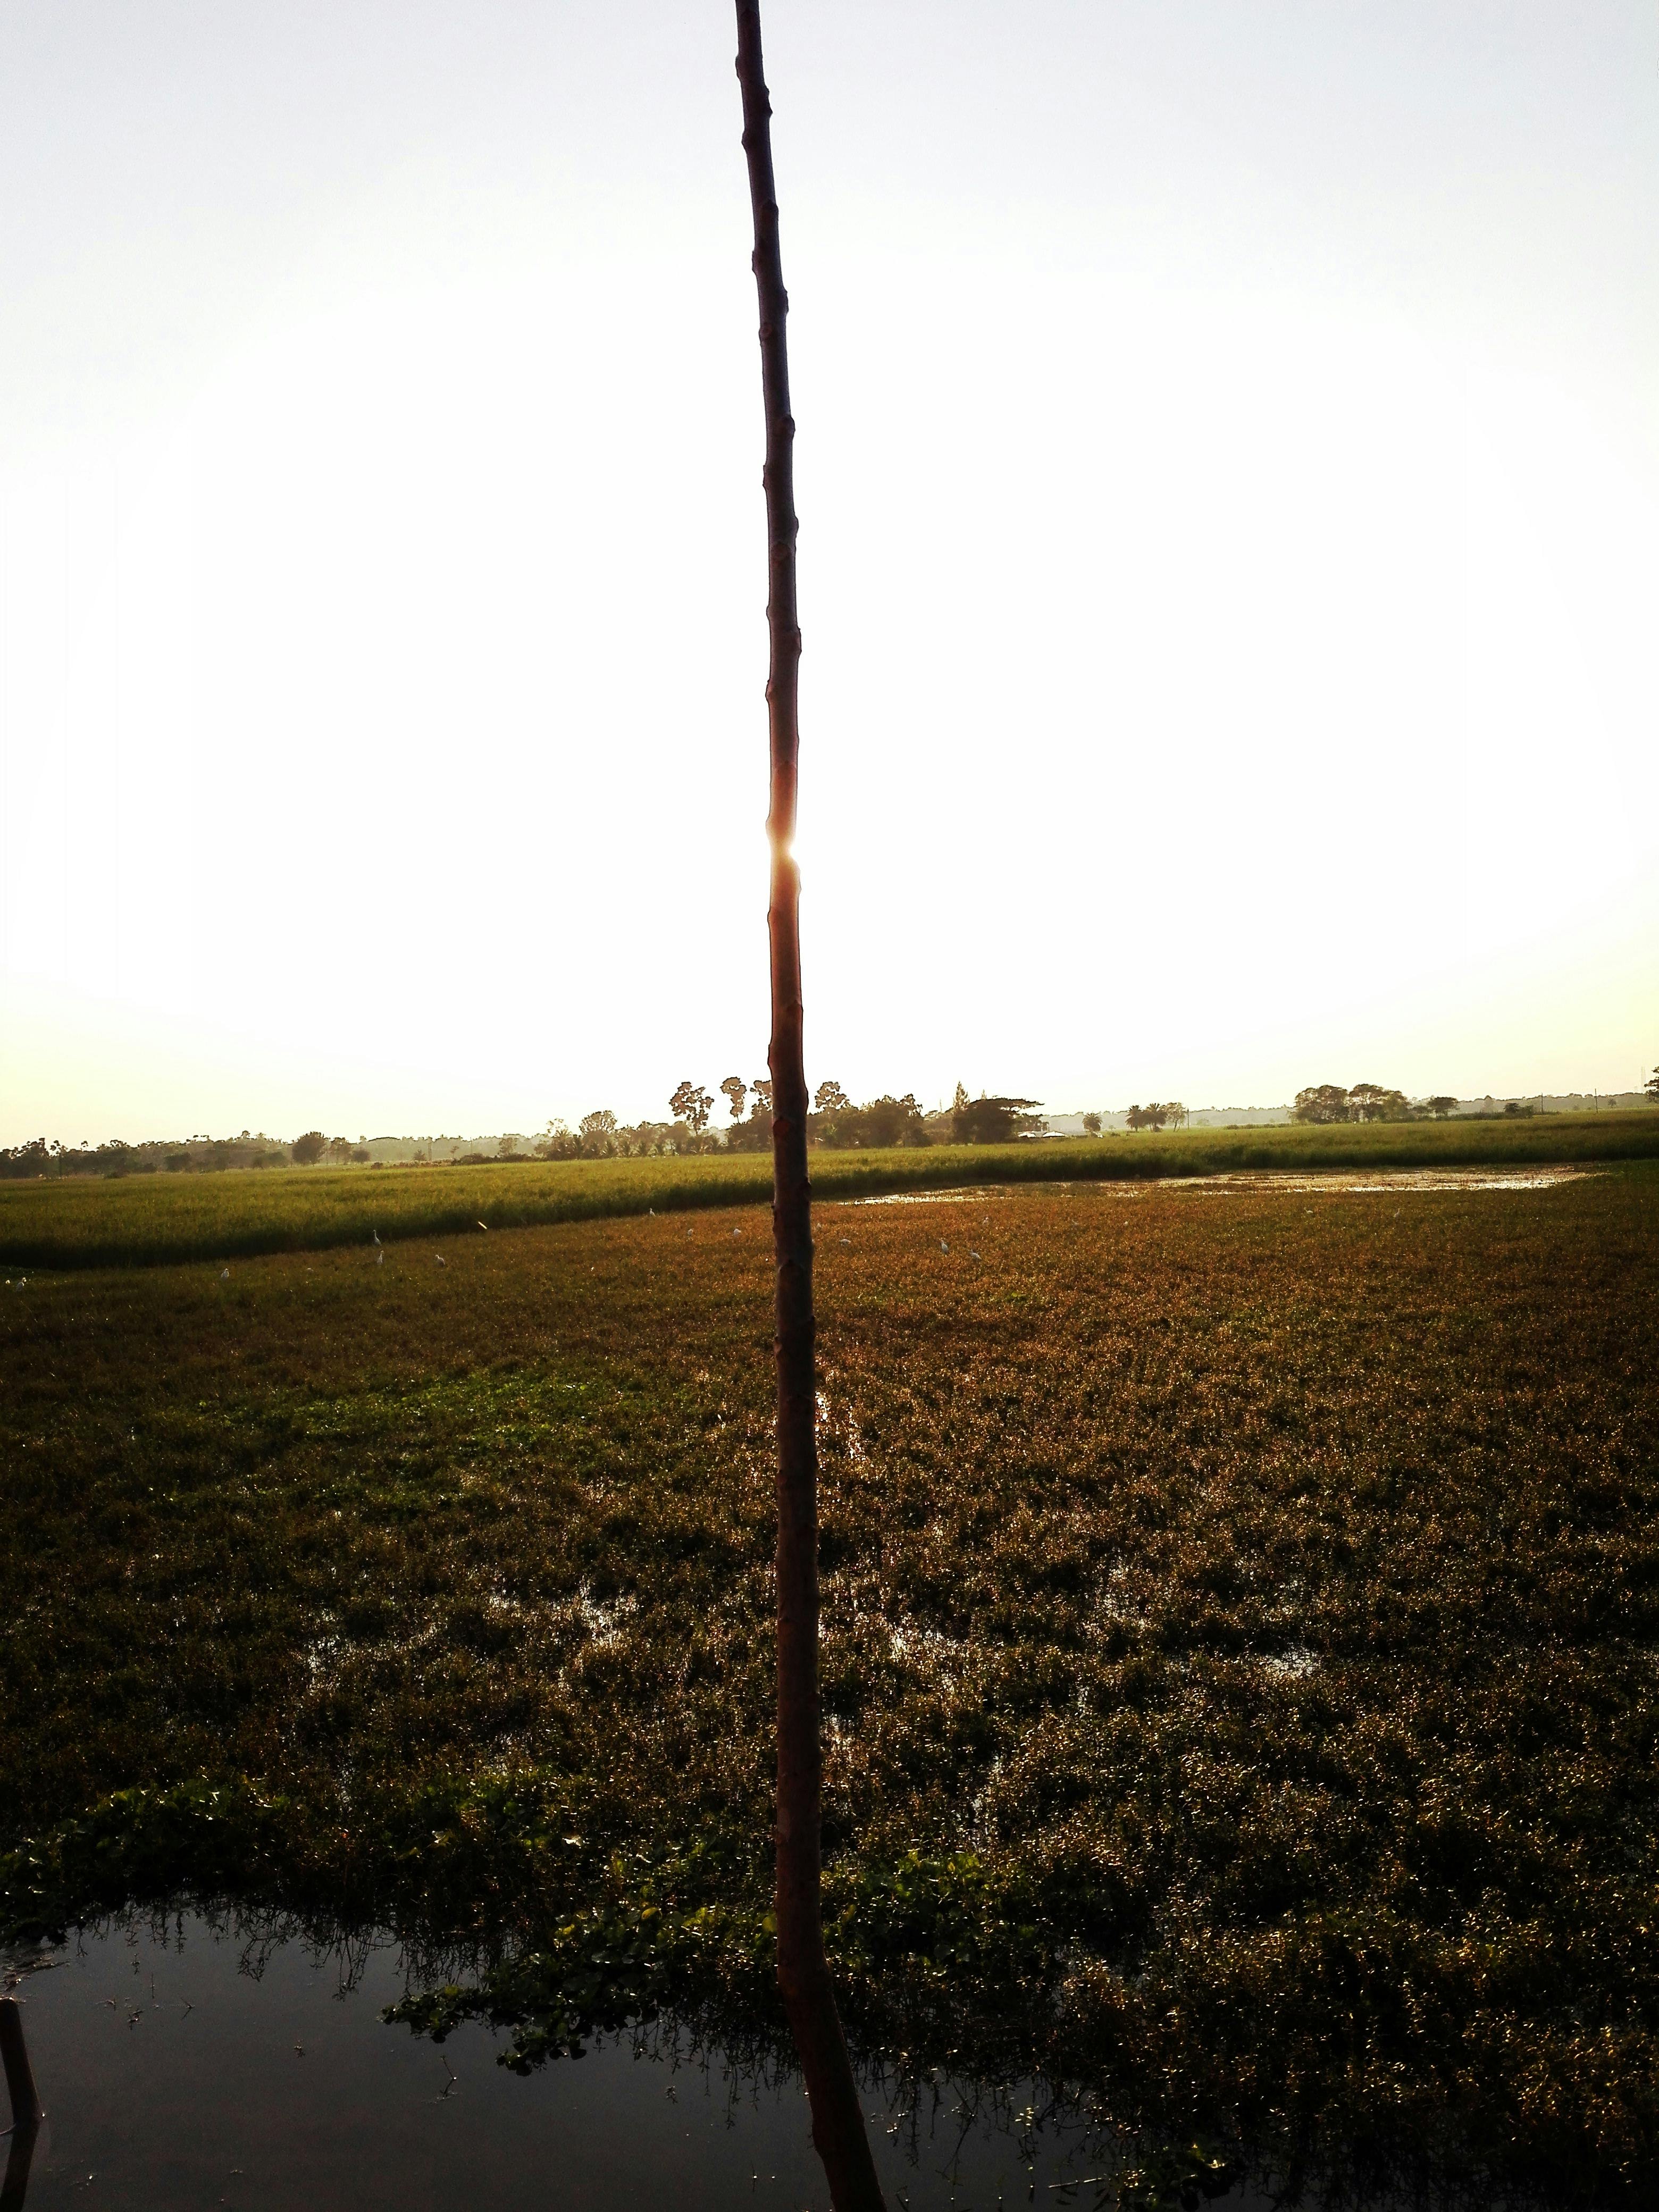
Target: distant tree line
161,1156
600,1136
1326,1102
1171,1114
338,1152
836,1123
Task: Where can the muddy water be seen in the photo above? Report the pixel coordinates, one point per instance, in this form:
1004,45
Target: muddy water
1334,1182
196,2069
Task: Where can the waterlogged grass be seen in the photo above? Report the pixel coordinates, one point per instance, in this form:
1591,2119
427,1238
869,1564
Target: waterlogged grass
142,1220
1241,1637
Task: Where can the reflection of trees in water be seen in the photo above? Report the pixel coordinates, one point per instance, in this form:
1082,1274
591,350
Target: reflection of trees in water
727,2032
951,2078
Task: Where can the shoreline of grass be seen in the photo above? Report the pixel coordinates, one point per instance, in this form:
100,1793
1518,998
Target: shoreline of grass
244,1214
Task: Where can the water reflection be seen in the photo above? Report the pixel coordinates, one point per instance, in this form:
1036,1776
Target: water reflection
20,2156
189,2063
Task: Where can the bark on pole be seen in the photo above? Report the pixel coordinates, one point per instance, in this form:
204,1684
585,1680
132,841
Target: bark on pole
838,2129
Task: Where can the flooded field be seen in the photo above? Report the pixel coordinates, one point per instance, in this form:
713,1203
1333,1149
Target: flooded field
1238,1622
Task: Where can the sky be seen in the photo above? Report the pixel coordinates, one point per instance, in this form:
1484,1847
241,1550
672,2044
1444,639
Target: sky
1228,462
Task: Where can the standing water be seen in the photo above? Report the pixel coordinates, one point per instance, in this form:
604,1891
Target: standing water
188,2065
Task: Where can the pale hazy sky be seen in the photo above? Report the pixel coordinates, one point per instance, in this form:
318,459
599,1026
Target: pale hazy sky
1229,472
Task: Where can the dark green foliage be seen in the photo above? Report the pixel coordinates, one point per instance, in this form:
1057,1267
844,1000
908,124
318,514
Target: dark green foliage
881,1125
984,1121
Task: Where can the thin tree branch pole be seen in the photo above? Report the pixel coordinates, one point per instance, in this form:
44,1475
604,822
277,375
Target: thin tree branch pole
838,2129
26,2112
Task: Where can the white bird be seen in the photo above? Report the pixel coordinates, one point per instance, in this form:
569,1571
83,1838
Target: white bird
483,1224
440,1259
942,1246
375,1234
843,1240
379,1259
224,1275
972,1255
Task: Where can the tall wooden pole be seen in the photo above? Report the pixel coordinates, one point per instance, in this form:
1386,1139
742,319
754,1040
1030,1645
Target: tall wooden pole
26,2112
838,2129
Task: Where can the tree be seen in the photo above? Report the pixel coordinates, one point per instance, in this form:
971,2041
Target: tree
1322,1102
1650,1088
884,1123
596,1134
809,1998
762,1087
832,1099
1091,1124
1175,1113
1139,1117
507,1146
1372,1101
309,1149
735,1090
1440,1107
691,1105
984,1121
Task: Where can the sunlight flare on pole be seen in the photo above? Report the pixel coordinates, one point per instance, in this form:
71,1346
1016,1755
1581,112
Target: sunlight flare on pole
838,2129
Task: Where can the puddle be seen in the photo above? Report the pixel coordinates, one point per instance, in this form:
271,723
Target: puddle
204,2068
955,1193
1348,1181
1355,1182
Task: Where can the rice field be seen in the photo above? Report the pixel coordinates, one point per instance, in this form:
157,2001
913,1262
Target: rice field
1240,1645
86,1221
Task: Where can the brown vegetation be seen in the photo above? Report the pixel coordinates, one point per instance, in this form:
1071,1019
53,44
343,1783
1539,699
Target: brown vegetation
1239,1616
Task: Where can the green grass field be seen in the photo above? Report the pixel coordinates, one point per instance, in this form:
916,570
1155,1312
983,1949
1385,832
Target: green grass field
142,1220
1240,1615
